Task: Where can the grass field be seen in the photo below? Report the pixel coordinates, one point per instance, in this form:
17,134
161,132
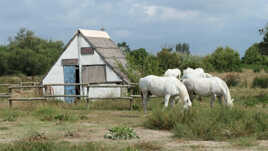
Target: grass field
59,126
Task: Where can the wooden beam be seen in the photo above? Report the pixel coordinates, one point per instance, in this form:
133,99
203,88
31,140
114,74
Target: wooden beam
5,96
112,98
21,87
65,96
109,86
65,84
27,99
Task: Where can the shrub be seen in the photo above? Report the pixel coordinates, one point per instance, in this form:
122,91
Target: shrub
232,80
219,123
121,133
225,59
257,69
261,82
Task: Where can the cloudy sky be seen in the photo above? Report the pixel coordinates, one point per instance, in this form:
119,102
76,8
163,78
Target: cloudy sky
150,24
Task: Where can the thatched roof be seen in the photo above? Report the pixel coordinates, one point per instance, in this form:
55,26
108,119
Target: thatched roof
108,50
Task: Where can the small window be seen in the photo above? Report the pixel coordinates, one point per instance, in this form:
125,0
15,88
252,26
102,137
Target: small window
87,51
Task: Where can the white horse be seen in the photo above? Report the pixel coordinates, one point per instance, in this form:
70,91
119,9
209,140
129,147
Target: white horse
173,73
214,87
194,73
169,87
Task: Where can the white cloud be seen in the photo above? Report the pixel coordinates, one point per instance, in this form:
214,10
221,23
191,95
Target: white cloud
162,13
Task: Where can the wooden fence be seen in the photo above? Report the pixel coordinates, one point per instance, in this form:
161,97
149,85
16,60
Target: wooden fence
46,97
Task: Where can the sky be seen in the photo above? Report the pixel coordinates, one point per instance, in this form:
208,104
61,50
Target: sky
150,24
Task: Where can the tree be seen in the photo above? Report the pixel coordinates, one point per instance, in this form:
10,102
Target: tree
183,48
124,47
225,59
168,60
264,44
253,55
28,54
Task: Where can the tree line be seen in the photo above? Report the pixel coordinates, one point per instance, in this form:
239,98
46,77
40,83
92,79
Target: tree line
28,54
31,55
223,59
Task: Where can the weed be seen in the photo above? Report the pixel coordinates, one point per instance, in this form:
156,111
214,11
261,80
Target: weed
121,133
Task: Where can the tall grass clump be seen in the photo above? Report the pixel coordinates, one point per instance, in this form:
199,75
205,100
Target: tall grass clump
203,123
50,113
52,146
261,82
10,115
232,80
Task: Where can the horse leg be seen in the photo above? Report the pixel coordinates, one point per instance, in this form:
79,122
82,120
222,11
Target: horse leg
213,98
192,96
144,100
166,100
172,100
220,99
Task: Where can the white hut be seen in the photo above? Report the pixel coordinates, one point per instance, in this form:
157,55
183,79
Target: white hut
89,57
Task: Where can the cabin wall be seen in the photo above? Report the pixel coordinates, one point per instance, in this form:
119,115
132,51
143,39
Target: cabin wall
96,59
56,75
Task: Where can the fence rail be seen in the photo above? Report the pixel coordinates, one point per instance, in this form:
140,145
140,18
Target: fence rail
26,85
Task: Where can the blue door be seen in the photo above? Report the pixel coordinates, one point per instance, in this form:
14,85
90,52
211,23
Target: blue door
69,77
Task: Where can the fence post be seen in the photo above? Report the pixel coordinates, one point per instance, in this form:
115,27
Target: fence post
10,103
131,99
88,93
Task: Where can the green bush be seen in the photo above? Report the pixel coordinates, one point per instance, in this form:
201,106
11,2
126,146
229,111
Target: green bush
121,133
219,123
225,59
253,55
261,82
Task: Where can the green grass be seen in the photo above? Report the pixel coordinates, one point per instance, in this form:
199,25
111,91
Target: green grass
203,123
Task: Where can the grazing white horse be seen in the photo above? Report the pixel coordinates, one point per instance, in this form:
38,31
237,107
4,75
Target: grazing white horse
214,87
194,73
169,87
173,73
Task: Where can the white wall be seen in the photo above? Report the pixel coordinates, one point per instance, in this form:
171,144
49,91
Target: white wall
56,75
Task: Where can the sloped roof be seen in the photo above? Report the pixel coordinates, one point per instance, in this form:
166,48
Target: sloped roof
108,50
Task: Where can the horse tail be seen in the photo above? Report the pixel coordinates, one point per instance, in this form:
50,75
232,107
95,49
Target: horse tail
226,93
